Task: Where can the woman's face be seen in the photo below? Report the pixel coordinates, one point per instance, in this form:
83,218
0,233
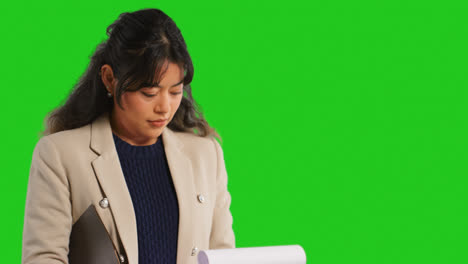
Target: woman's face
133,123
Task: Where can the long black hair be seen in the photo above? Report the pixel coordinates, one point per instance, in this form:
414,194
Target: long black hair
139,44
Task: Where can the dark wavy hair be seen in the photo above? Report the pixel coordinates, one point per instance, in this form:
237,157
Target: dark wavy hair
139,44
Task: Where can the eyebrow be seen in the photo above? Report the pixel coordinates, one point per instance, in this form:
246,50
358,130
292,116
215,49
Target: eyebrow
157,85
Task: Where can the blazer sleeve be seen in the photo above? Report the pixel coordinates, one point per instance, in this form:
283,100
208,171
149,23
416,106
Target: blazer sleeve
222,234
47,217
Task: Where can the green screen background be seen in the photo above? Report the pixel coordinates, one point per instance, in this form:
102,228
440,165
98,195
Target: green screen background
343,122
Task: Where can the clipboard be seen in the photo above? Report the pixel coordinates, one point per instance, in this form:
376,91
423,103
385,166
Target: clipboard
90,243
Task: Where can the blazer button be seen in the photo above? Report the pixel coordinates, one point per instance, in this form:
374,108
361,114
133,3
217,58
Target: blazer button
104,203
122,258
194,251
201,198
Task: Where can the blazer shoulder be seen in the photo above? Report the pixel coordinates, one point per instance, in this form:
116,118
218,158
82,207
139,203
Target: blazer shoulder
64,142
71,137
195,144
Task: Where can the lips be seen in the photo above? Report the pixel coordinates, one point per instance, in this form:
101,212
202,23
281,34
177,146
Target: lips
158,122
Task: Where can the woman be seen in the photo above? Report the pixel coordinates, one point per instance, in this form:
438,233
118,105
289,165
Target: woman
130,142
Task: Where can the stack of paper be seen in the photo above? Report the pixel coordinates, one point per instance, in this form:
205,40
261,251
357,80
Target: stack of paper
293,254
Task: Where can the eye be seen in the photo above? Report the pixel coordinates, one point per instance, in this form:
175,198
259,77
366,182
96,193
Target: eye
148,95
151,95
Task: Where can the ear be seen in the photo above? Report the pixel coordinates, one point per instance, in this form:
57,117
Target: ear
107,77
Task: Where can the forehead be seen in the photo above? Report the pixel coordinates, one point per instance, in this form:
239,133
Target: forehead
172,75
171,72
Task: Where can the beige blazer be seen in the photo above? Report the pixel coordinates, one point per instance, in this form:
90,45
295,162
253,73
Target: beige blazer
73,169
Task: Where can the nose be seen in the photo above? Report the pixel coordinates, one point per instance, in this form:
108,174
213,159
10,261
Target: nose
162,102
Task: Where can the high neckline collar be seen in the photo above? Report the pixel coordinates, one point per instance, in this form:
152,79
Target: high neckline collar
125,149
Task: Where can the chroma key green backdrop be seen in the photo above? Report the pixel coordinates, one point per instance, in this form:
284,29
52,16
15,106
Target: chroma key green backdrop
344,123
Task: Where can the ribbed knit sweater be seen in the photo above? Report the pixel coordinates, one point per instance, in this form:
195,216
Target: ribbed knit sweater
154,200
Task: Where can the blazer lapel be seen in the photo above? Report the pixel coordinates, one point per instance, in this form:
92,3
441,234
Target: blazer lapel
181,170
110,176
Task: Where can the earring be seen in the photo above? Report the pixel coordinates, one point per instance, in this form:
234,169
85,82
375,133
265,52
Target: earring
108,93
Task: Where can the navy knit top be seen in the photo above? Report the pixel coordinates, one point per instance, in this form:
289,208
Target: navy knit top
154,200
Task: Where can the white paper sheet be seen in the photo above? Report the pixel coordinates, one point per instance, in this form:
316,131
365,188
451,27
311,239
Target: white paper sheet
292,254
